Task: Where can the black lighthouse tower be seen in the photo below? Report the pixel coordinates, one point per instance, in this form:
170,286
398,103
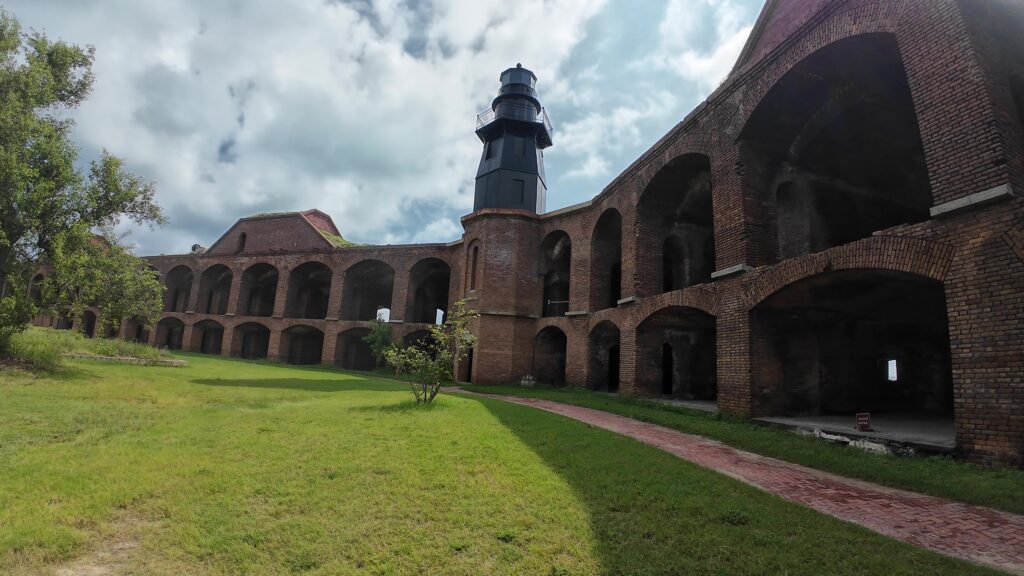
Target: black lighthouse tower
515,131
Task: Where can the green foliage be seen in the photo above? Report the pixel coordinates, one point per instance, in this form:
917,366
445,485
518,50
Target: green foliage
337,240
91,271
378,339
430,364
40,349
232,467
43,195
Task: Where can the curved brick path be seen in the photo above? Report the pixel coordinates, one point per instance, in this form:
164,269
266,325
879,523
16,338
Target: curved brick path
973,533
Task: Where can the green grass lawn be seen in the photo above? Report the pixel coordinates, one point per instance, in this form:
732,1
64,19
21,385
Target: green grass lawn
1001,488
231,467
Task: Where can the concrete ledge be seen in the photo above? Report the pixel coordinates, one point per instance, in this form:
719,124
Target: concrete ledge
628,300
126,360
737,269
1000,192
577,313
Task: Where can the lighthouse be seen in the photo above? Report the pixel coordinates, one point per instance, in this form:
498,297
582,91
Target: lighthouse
515,130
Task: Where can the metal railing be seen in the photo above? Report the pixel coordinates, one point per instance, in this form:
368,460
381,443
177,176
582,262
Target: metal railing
524,111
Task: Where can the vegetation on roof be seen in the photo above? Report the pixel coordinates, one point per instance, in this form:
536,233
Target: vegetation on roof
337,240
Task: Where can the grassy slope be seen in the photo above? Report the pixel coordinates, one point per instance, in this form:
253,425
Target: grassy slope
228,467
1001,488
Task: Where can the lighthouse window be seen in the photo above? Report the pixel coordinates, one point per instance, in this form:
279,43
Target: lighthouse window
519,190
518,146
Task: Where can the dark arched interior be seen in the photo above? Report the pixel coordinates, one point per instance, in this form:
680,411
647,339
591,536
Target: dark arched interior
835,147
309,290
555,265
676,354
549,352
368,287
606,261
89,324
257,291
675,227
251,341
169,332
603,373
214,290
302,345
824,345
207,337
428,290
352,352
179,287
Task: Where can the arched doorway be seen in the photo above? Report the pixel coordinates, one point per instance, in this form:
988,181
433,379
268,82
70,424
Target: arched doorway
178,283
368,287
89,324
301,345
258,290
428,291
169,332
352,352
676,355
214,290
207,337
309,290
603,372
555,267
251,341
606,261
549,353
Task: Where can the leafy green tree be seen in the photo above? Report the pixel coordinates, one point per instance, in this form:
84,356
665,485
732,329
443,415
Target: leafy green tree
44,198
431,363
378,339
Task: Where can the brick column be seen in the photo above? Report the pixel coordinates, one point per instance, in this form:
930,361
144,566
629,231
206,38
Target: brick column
399,293
576,354
193,295
151,338
233,293
274,346
330,341
186,339
281,296
227,340
627,359
337,291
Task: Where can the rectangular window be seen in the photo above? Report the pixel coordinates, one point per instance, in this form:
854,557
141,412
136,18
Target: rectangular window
518,146
519,190
893,373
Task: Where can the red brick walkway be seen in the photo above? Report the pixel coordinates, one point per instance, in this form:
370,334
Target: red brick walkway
973,533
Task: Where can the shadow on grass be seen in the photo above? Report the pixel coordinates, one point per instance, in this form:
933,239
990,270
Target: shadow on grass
652,513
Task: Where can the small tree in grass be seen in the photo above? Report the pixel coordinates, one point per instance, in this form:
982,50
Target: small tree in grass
432,362
378,339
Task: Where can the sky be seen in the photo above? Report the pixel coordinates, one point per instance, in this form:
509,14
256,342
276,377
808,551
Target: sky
365,109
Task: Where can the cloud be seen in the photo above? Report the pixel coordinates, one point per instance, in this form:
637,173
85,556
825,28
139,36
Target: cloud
365,109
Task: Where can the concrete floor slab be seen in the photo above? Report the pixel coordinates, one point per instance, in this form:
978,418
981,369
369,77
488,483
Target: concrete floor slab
924,431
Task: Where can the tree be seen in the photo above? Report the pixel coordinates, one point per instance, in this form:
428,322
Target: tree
45,200
378,339
431,363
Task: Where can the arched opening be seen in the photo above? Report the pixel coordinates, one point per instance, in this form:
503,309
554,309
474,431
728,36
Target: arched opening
178,283
675,227
555,265
207,337
603,373
136,331
836,149
676,354
368,287
474,259
214,290
258,291
309,290
549,350
606,261
240,247
302,345
428,290
35,289
250,341
169,332
352,352
418,338
89,324
854,341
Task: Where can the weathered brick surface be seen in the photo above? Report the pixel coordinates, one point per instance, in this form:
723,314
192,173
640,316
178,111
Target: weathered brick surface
960,59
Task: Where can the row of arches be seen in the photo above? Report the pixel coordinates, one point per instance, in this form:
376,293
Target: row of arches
299,344
368,288
831,154
861,340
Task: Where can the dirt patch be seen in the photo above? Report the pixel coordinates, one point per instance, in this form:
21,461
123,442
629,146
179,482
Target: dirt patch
117,553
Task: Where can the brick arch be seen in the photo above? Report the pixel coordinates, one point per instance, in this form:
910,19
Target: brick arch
700,298
899,254
845,23
690,143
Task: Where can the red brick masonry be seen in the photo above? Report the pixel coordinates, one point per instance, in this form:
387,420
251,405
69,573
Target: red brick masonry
972,533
